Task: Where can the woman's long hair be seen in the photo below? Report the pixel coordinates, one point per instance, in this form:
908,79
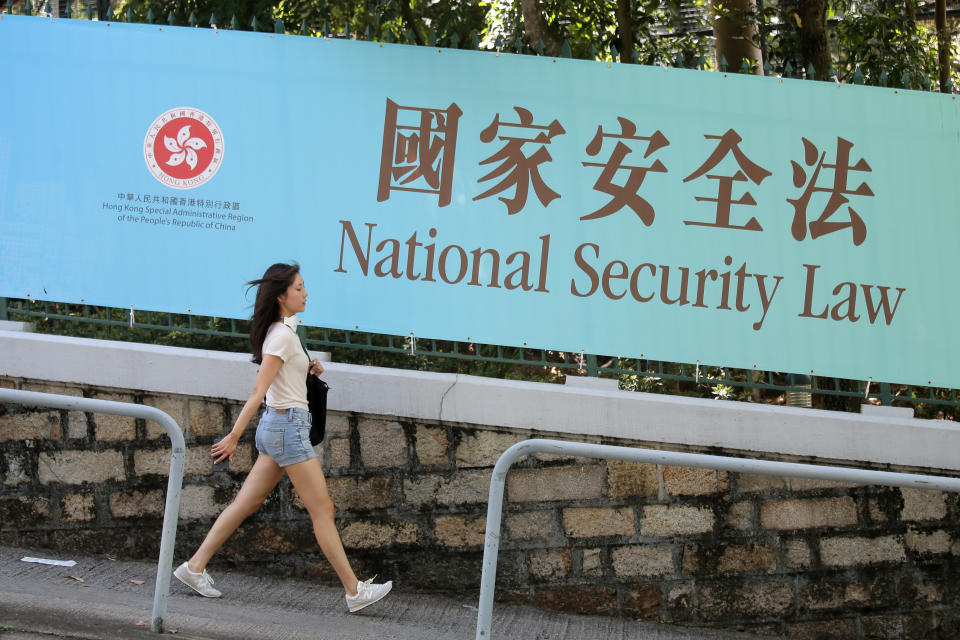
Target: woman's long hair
266,310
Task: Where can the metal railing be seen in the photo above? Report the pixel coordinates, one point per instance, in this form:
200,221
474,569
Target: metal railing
174,484
739,465
634,374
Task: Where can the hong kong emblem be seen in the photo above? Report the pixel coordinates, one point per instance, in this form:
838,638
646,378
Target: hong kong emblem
183,148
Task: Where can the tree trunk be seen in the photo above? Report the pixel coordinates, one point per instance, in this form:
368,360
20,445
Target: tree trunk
537,29
735,32
813,36
411,21
103,10
943,44
625,27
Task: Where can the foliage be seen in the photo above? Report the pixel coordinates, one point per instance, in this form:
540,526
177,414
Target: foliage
880,36
723,392
379,19
875,36
646,384
223,12
660,29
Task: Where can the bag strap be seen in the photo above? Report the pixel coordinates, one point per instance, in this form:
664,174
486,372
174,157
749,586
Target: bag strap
302,346
307,353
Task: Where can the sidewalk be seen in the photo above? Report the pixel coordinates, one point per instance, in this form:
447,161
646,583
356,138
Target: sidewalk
37,601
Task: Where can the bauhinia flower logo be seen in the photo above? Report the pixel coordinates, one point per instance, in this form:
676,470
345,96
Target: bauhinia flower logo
183,148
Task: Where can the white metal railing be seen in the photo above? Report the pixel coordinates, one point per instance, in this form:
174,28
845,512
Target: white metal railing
174,484
738,465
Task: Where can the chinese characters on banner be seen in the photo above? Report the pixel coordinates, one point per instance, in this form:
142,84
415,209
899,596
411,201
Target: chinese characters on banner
418,150
419,146
523,169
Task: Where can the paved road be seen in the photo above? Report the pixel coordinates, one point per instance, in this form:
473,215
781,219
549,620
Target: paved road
41,601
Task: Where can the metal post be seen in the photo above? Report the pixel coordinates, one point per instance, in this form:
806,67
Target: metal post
886,395
174,484
737,465
592,368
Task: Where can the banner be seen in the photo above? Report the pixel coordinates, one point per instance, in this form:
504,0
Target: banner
575,205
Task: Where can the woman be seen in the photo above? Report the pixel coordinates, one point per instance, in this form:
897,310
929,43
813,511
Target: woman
282,439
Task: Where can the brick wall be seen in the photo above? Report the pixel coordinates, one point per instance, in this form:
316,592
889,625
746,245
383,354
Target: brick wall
685,546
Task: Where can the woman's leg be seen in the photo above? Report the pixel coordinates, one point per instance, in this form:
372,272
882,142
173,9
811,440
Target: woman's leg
259,483
311,486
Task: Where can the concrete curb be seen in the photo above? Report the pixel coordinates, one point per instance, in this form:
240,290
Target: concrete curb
107,606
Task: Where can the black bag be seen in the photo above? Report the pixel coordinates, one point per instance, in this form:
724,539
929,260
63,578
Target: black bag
317,400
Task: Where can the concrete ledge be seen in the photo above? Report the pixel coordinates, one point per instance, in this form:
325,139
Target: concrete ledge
545,408
583,382
890,412
10,325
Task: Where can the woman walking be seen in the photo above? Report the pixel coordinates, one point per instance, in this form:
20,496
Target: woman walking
282,439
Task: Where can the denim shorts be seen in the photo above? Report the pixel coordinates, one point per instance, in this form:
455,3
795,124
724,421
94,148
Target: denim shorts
284,435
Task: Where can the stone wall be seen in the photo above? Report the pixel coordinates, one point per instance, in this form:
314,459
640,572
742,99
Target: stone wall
679,545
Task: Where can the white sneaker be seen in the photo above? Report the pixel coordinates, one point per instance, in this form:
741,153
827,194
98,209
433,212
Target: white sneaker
202,583
367,594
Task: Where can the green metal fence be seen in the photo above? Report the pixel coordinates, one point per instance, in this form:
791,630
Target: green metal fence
415,352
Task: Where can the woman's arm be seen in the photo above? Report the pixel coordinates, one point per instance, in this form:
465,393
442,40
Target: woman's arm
225,447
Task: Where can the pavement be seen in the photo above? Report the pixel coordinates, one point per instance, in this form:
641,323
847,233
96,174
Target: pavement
42,602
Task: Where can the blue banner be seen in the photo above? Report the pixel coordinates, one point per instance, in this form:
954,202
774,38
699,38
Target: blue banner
573,205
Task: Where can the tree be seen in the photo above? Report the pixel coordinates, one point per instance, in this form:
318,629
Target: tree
814,49
943,45
538,30
736,34
644,31
885,39
625,28
403,20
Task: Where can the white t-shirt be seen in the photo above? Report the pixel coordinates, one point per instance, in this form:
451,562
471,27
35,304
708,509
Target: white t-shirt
289,388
